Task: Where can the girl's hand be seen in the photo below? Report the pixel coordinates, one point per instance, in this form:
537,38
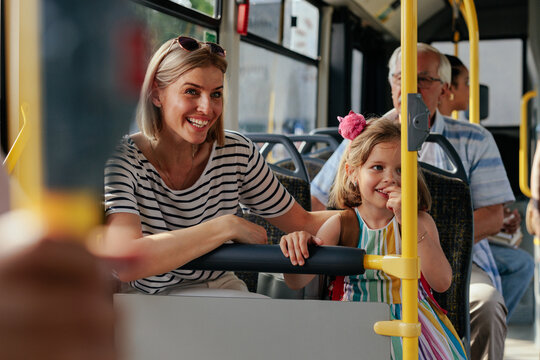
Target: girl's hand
294,246
244,231
394,201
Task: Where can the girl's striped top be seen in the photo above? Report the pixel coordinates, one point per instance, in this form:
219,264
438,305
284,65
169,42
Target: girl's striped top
438,339
375,285
235,174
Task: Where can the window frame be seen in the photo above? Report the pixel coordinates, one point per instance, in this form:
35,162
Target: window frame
186,14
278,48
261,42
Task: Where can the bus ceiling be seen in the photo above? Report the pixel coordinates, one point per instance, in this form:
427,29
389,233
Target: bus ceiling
435,18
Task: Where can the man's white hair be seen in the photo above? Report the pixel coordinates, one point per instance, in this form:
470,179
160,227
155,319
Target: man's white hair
444,71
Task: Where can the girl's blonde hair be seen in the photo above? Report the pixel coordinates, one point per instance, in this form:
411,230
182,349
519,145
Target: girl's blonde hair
168,63
345,192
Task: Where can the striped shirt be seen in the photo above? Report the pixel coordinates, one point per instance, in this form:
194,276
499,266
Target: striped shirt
482,162
235,174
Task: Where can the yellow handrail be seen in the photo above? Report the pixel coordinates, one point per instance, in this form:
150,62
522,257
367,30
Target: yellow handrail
469,12
18,145
408,327
456,54
523,145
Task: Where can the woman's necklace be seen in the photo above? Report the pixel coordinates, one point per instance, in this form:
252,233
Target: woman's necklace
165,174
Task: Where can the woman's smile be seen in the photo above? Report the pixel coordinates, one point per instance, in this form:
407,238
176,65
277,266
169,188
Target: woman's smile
192,104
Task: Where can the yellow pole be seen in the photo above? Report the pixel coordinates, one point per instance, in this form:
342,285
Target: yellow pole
456,43
523,145
23,32
71,213
409,288
456,54
469,12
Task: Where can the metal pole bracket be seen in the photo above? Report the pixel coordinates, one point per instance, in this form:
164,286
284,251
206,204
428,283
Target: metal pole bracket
417,122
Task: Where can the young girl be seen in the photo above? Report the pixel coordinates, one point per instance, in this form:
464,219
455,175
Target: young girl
368,185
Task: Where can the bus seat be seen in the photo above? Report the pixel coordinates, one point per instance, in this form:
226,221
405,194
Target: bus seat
332,131
313,165
297,184
459,170
453,214
268,142
314,149
299,189
319,146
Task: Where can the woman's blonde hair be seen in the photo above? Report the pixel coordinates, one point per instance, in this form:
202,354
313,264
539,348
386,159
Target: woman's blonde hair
345,192
168,63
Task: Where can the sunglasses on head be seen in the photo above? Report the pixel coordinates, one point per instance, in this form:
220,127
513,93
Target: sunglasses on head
190,44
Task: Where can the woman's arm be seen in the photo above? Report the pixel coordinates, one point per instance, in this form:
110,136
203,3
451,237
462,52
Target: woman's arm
297,219
433,263
294,246
166,251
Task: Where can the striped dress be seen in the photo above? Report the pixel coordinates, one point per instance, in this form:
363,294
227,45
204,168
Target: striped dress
438,340
235,175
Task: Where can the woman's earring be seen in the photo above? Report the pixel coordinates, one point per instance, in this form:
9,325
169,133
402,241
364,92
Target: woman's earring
451,96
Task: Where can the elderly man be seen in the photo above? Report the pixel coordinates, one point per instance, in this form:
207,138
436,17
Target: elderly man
490,189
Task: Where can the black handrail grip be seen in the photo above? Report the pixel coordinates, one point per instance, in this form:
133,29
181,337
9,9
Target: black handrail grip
329,260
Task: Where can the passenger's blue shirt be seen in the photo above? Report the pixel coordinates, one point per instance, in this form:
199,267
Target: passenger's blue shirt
482,162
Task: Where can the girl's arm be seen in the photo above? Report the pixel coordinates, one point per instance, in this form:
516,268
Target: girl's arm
166,251
433,262
294,246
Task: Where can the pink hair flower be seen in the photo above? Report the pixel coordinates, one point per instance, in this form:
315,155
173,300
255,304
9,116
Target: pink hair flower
351,125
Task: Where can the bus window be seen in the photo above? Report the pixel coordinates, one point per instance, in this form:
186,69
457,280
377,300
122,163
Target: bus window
277,94
264,18
279,66
505,87
207,7
300,29
160,27
356,80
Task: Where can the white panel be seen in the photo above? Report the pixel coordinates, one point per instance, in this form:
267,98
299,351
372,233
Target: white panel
202,328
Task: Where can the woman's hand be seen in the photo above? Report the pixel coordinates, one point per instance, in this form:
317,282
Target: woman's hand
244,231
394,201
295,246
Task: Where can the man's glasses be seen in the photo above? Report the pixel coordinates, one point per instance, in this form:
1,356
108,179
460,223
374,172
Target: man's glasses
423,82
190,44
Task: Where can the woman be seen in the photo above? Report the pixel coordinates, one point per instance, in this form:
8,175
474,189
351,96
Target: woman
457,96
173,189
